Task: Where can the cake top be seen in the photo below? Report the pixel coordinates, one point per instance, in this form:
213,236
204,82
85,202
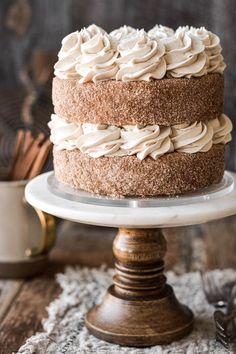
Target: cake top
129,54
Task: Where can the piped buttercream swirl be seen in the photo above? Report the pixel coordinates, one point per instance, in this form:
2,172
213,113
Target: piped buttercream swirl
151,140
89,55
160,32
129,54
123,32
64,134
222,128
98,140
185,55
213,49
68,56
140,58
192,138
98,59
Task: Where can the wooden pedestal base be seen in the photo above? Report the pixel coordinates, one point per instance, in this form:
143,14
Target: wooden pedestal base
140,309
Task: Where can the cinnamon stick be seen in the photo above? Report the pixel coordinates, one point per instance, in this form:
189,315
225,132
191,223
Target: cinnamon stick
29,155
27,159
40,160
26,156
28,141
20,136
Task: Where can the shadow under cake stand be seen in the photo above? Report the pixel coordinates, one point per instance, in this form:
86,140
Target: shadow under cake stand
139,309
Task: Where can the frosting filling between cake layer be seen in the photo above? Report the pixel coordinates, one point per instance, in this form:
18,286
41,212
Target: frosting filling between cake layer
98,140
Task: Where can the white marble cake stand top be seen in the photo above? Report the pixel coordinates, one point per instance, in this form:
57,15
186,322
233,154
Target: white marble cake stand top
192,210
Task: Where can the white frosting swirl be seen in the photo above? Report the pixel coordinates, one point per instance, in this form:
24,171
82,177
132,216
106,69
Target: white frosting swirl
123,32
212,49
151,140
129,54
141,58
192,138
185,55
222,128
68,56
89,55
98,59
160,32
98,140
94,29
64,134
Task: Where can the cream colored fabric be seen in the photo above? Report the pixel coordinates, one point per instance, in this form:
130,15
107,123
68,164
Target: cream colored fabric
64,330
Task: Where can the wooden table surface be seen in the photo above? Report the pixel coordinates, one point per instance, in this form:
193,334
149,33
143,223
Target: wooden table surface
23,302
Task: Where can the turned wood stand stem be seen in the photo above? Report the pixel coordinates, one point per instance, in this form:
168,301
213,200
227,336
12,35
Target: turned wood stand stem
139,263
139,309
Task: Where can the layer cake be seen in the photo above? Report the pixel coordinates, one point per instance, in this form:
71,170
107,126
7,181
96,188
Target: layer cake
139,114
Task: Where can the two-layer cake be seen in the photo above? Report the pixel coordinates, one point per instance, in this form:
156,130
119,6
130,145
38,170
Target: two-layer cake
139,114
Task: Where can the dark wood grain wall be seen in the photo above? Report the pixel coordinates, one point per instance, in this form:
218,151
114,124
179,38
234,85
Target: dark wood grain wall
28,27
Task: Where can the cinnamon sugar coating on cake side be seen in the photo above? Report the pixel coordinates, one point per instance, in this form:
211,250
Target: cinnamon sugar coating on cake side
165,102
170,174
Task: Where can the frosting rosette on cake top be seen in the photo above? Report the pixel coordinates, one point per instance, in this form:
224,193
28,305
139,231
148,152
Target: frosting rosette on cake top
68,56
123,32
140,58
94,29
129,54
161,32
185,55
89,55
213,49
98,59
70,51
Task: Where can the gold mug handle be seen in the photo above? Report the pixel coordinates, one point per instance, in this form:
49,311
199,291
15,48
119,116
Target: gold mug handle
48,237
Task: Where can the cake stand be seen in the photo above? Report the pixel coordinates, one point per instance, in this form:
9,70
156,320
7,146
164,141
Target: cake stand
139,309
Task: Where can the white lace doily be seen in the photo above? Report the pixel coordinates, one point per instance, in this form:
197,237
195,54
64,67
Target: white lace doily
64,331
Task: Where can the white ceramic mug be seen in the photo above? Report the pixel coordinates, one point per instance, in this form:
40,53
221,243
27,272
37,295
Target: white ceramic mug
26,234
